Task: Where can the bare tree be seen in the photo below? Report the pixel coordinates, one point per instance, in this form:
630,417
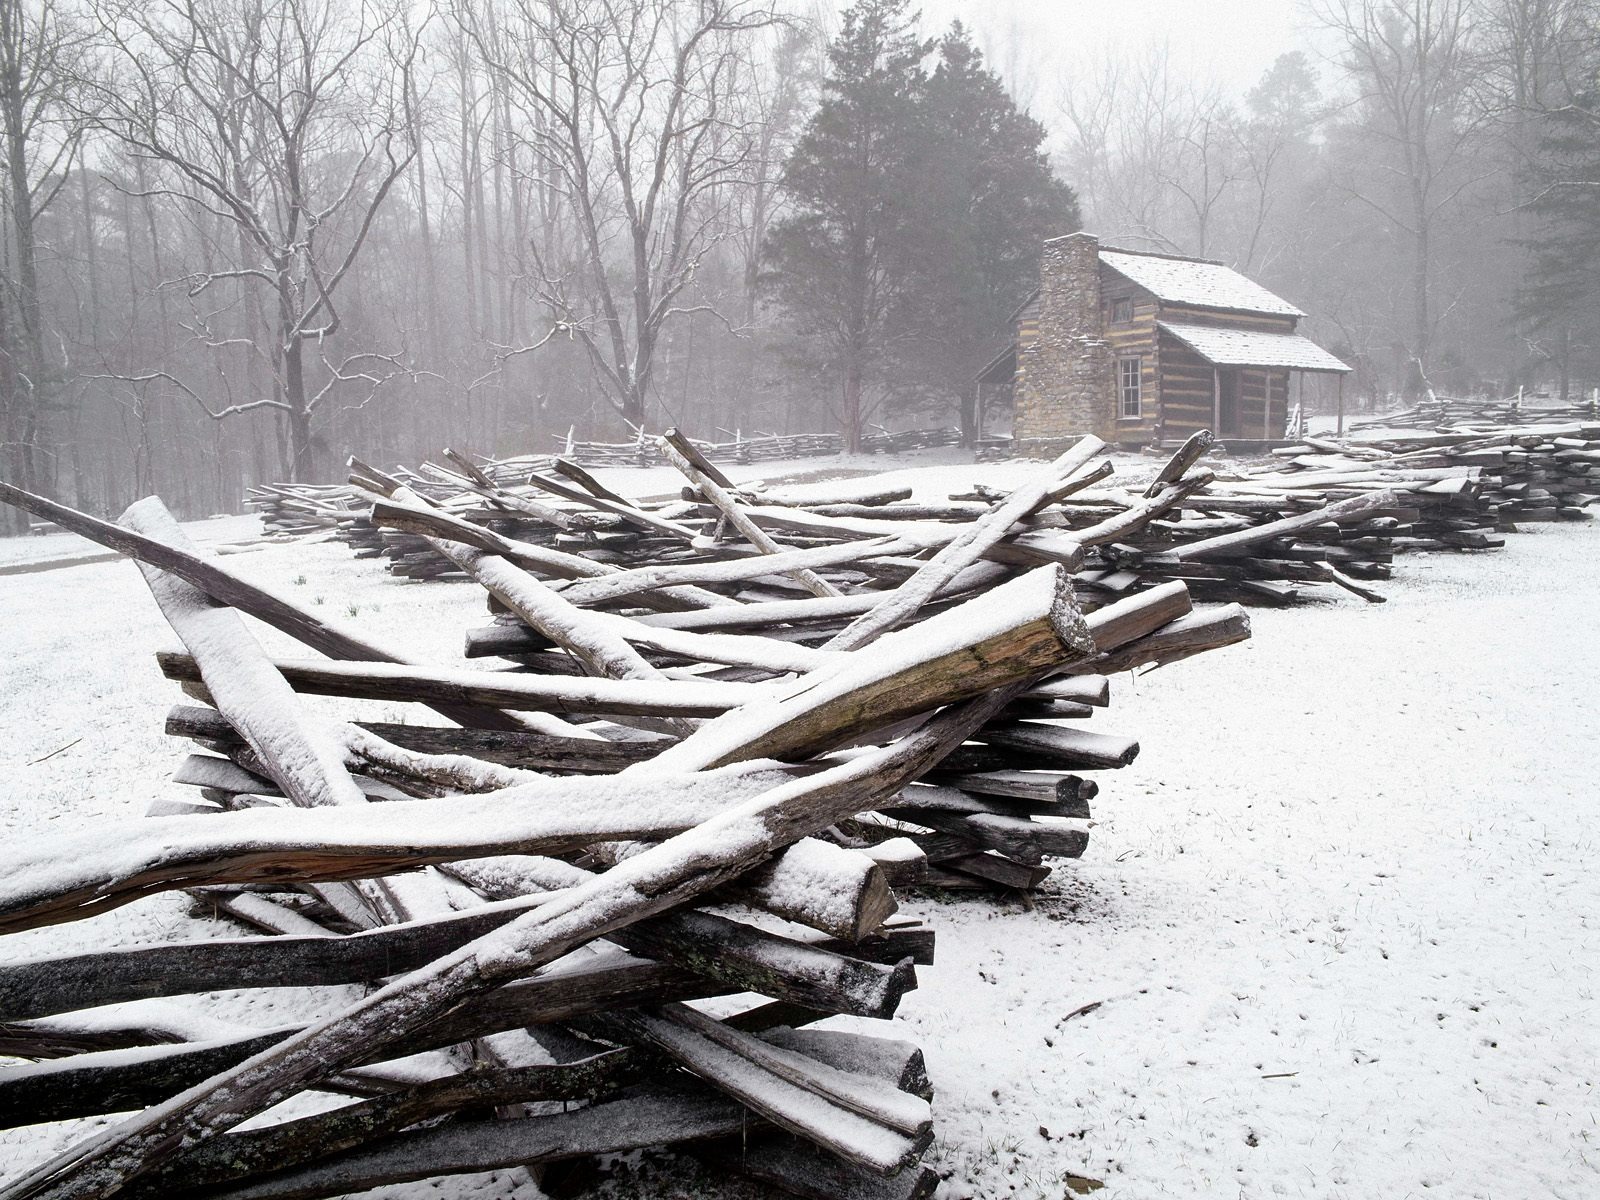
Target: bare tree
1274,148
280,125
1204,168
1153,155
40,58
627,113
1412,64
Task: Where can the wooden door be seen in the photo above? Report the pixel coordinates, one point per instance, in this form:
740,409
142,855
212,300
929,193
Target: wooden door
1230,403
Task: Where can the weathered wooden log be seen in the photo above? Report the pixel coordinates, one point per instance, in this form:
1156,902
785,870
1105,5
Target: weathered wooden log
642,580
732,953
632,514
228,588
1017,838
936,796
1015,631
92,1083
506,640
513,504
811,883
1074,485
297,754
1122,525
869,492
668,874
316,1139
1094,690
504,689
646,1117
740,956
986,871
862,1120
766,655
427,522
1232,544
1182,638
69,876
288,1144
571,470
41,987
686,449
1182,459
1080,747
1041,787
724,500
963,550
515,748
1135,617
257,912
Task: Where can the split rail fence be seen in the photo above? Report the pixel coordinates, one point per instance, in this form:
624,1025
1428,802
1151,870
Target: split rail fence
607,891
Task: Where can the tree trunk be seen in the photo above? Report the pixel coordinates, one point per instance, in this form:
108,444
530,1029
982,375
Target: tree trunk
13,521
1421,329
852,402
302,463
32,398
1565,363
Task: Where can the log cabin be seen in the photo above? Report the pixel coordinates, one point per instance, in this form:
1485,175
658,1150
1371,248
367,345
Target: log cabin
1144,349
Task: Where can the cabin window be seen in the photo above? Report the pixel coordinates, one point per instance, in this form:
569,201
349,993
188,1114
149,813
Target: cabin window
1130,373
1122,311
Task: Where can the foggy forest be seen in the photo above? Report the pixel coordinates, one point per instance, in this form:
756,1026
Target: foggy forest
244,238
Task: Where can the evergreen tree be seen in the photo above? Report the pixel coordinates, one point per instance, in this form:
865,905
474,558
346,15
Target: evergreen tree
1559,304
840,258
920,203
986,201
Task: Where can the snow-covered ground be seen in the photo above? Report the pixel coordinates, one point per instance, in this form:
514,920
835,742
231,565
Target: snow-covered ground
1338,918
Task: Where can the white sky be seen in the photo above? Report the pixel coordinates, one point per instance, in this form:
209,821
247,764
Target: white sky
1229,42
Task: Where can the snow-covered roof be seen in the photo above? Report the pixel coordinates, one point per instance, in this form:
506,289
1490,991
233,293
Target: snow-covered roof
1250,348
1203,284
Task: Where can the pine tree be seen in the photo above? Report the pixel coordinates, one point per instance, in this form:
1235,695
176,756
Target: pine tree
840,259
919,207
987,199
1559,303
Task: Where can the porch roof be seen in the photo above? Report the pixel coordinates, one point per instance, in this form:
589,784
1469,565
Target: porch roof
1252,348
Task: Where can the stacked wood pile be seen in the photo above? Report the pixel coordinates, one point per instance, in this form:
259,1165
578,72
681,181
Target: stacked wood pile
1185,524
1468,483
644,452
1444,411
1227,539
293,509
533,891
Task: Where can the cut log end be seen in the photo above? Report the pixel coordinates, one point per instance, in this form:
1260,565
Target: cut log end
1067,619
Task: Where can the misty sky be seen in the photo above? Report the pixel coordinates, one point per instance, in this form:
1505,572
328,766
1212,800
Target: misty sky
1231,42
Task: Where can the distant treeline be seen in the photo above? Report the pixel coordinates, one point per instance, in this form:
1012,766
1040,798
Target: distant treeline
246,237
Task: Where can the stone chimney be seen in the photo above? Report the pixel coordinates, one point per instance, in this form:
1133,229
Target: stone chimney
1066,385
